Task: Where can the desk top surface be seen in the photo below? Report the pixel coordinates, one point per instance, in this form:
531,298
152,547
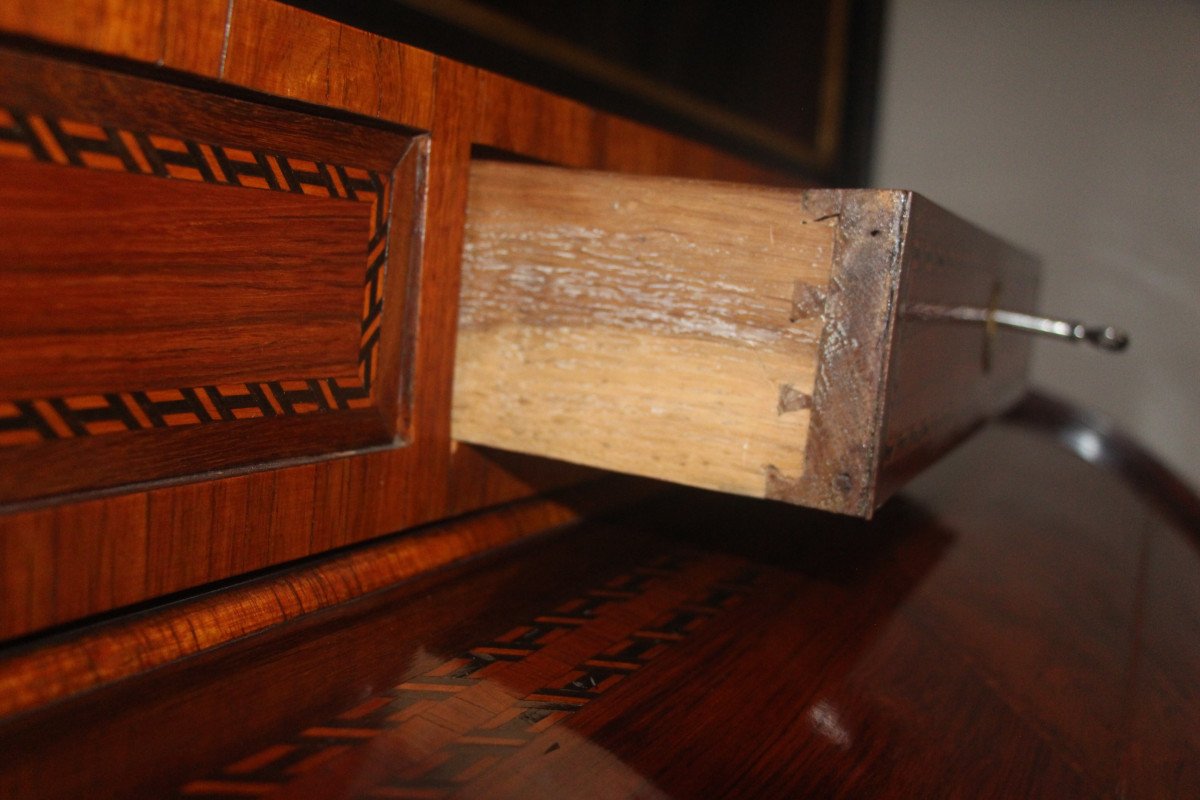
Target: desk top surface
1017,623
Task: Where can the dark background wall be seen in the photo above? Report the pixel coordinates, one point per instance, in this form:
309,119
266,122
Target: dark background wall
790,83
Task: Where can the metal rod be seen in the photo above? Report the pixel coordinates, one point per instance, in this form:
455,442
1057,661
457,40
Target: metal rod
1105,337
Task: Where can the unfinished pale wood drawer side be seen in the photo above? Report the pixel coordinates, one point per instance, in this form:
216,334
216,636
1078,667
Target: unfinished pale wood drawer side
739,338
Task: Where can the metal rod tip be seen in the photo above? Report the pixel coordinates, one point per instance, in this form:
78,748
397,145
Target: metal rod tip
1107,337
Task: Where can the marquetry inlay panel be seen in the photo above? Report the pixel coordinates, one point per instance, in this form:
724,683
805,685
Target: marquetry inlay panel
88,146
495,700
192,282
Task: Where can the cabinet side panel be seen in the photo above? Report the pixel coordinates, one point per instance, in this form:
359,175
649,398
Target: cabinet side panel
947,377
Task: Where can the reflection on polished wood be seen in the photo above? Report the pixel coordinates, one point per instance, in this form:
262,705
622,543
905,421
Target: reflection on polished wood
1018,623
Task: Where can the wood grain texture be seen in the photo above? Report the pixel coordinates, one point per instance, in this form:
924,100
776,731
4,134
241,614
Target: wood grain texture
112,27
106,567
706,646
290,53
257,44
128,647
188,35
399,285
475,477
80,468
193,282
945,377
641,325
894,393
194,34
88,94
670,329
849,398
157,284
360,494
519,119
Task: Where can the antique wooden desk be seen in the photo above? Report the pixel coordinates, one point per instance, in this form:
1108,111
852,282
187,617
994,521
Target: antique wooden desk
241,553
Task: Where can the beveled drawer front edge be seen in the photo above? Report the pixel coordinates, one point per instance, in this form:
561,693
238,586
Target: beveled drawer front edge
71,143
312,349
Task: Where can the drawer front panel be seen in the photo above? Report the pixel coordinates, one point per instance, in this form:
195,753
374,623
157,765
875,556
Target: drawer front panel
145,284
158,281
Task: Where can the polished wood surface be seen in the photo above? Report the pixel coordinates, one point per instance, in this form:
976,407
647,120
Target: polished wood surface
1016,623
92,247
107,521
129,30
184,274
286,52
130,645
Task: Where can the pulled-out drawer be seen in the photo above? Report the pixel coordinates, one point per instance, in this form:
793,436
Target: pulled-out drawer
769,342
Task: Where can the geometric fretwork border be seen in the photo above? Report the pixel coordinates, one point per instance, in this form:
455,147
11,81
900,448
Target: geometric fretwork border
515,722
70,143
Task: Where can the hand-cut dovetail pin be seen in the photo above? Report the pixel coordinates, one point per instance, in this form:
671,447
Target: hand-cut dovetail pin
792,399
808,301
